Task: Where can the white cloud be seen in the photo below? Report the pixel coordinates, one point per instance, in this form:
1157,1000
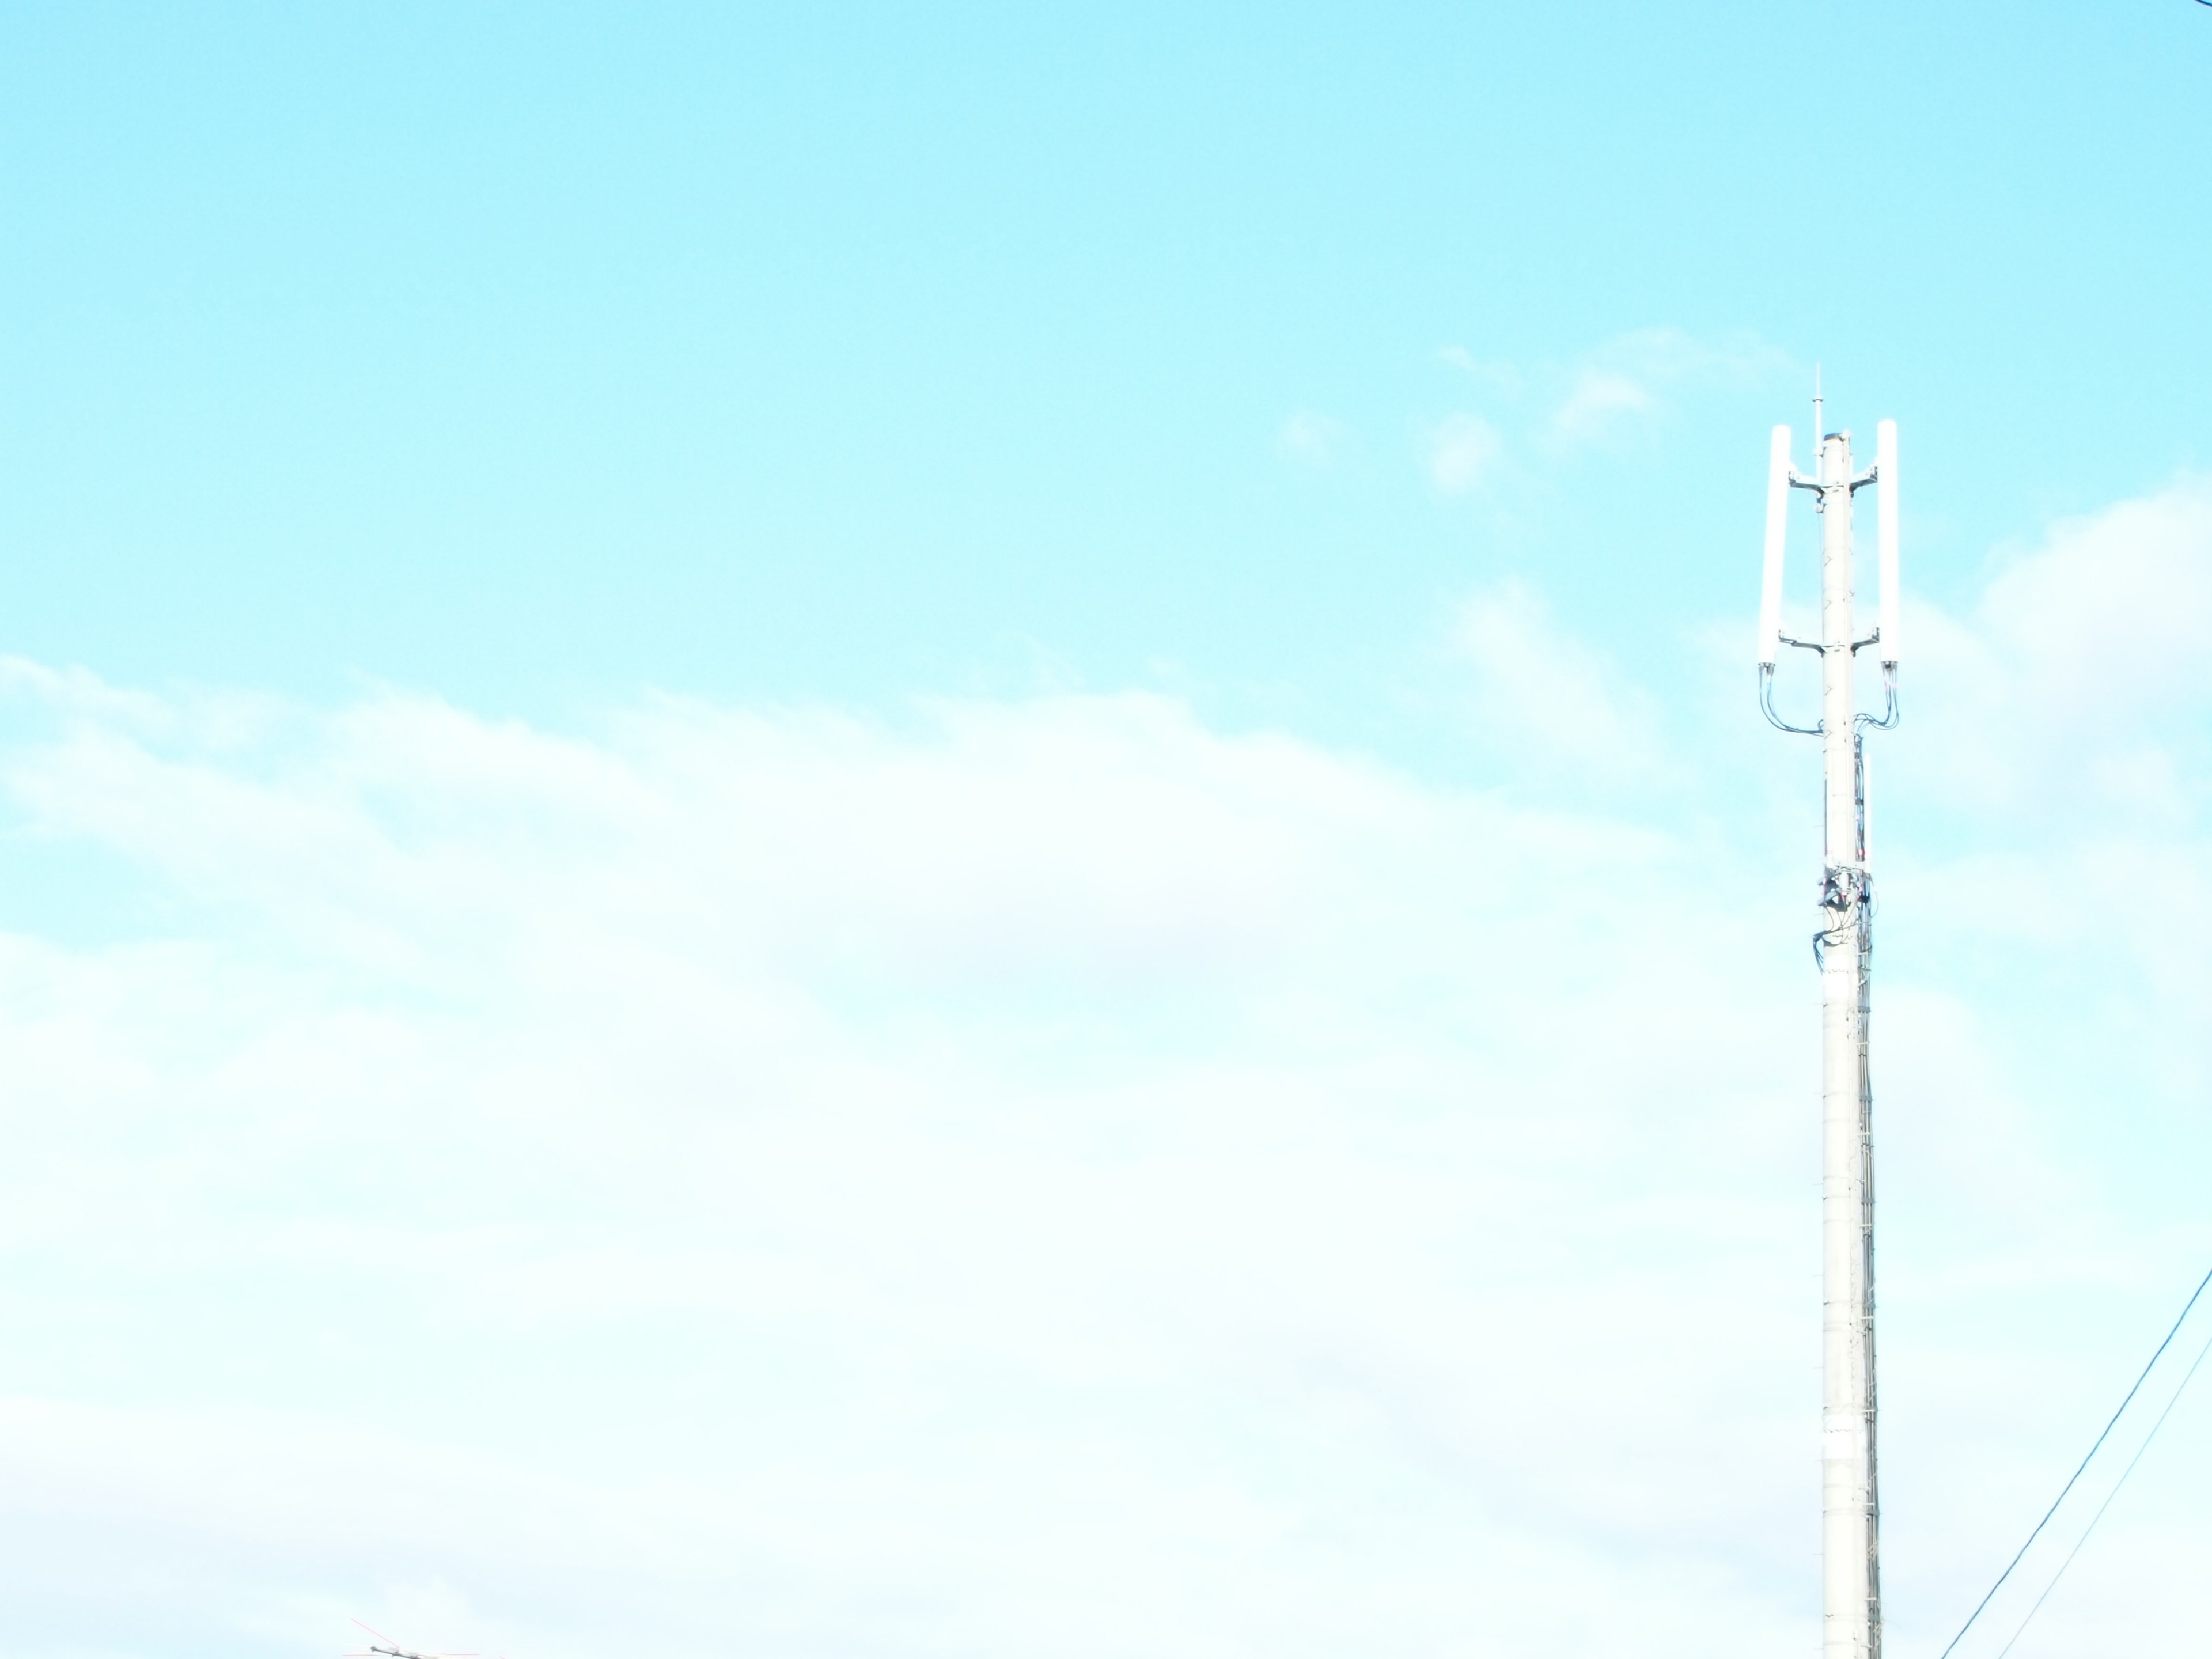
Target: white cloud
1310,440
1060,1180
1632,376
1597,396
1671,355
1549,701
1599,399
2077,671
1461,450
1499,377
1053,1177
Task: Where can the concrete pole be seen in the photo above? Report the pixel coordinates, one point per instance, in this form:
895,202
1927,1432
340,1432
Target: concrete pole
1850,1582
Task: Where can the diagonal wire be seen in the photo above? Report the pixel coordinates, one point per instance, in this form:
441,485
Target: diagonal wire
2084,1464
2115,1493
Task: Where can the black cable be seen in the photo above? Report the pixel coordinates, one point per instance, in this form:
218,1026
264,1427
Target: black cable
2076,1475
2117,1485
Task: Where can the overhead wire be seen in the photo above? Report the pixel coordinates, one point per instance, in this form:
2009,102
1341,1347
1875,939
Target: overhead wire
2117,1485
2079,1469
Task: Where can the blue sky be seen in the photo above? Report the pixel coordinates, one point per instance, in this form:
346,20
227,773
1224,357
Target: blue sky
543,354
847,833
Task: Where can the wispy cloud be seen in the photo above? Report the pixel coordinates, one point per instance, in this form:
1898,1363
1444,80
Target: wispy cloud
1631,378
1462,449
1551,700
1499,377
1310,440
1599,397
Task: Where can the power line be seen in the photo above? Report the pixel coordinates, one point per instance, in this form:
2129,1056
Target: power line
2084,1464
2117,1485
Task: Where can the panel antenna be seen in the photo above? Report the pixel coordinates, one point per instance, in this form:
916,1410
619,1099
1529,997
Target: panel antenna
1885,465
1777,525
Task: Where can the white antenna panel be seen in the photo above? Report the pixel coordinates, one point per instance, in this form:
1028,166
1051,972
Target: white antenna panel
1886,461
1778,524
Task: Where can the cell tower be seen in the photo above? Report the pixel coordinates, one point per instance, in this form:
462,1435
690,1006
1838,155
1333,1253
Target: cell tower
1851,1555
390,1650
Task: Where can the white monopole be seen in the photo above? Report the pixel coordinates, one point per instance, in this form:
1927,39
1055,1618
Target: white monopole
1885,440
1777,523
